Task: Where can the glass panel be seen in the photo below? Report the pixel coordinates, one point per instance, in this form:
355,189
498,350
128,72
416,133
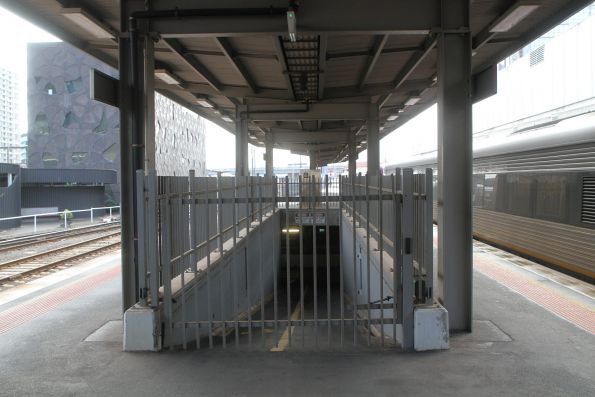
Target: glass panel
40,125
78,157
111,153
73,86
489,196
49,160
69,119
518,198
50,89
551,197
102,127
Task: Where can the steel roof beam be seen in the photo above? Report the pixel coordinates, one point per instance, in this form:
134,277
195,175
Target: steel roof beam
236,62
312,137
194,64
566,11
284,68
410,66
333,16
322,45
316,111
375,54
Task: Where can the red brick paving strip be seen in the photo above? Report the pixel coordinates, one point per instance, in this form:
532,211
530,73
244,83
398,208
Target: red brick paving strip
27,311
545,297
569,310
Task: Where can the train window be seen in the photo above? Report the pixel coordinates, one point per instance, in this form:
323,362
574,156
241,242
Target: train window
518,195
478,186
489,191
551,197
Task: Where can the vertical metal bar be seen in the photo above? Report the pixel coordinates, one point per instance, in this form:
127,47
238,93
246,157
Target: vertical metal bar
408,290
34,223
341,281
368,292
166,268
274,262
219,215
381,253
248,289
301,260
396,248
355,289
182,266
220,248
288,260
261,260
208,228
328,260
92,214
140,225
233,267
193,256
152,238
313,205
429,235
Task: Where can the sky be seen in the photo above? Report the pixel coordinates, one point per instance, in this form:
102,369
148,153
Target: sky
16,46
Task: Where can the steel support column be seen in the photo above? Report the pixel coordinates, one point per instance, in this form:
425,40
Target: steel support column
268,154
312,159
132,144
455,252
373,140
352,157
242,141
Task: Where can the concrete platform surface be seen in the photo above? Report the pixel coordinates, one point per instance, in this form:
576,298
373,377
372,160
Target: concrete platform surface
518,348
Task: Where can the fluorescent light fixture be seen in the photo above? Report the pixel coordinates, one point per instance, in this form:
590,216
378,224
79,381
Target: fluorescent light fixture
86,21
290,230
513,16
204,103
165,76
291,25
392,117
412,101
226,118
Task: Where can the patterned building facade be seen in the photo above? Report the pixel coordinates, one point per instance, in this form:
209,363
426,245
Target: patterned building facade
69,130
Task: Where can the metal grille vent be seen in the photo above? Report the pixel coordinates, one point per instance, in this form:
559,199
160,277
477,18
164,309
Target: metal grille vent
588,202
537,56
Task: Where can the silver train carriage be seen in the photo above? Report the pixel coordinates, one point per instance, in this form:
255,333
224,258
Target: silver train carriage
534,193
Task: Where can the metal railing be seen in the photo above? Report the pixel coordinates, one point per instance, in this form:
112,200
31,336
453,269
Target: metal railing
205,261
64,217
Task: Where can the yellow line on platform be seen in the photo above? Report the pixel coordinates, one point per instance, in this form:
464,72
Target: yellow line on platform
284,340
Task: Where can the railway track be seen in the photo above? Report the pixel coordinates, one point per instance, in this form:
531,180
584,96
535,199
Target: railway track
30,265
42,238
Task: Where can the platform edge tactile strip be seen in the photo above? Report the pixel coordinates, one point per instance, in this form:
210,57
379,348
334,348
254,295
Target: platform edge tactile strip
24,312
557,304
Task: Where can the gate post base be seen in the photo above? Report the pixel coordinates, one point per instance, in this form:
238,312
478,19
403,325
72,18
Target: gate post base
430,330
141,329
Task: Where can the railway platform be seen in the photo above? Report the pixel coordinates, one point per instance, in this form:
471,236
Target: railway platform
534,334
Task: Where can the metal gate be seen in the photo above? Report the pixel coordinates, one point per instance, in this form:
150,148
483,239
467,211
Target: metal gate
267,263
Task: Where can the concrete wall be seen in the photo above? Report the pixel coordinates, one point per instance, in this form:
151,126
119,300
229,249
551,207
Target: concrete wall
357,289
243,263
10,195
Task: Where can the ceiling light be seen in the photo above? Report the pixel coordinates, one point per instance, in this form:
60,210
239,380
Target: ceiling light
165,76
513,16
392,117
290,230
291,25
204,103
226,118
86,21
412,101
